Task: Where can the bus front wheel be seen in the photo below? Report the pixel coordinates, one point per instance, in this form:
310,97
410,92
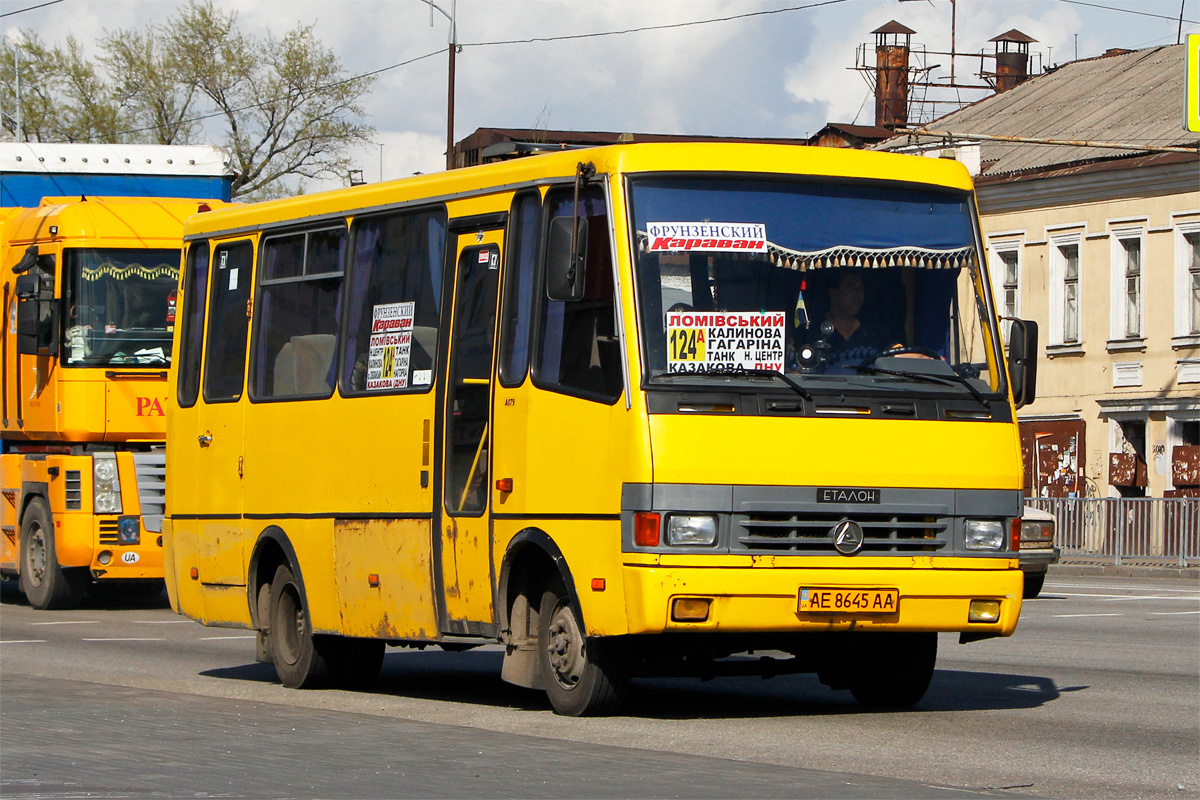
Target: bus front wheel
893,670
301,659
581,677
45,583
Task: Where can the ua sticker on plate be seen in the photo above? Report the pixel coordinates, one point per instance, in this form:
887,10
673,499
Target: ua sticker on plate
130,557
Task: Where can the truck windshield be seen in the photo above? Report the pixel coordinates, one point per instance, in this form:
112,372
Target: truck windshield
840,286
120,306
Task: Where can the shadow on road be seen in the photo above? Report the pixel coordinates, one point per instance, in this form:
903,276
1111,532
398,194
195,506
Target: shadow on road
474,677
101,596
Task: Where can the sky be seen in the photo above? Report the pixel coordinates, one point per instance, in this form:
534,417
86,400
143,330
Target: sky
782,74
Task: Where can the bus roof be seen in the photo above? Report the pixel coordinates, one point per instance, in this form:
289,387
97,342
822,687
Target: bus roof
693,157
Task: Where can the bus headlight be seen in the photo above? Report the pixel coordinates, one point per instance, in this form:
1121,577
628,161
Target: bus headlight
984,534
694,531
106,483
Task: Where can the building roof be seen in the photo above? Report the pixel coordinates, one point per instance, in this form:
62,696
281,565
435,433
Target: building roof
1129,96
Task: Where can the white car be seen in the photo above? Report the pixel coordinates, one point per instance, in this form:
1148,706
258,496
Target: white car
1038,550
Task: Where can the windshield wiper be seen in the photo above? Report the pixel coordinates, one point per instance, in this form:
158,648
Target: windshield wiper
775,373
741,373
945,380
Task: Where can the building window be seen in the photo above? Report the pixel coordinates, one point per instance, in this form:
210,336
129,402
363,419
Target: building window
1006,281
1064,290
1133,287
1070,255
1187,282
1127,285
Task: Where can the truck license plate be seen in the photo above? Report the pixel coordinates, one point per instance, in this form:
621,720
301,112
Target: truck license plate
828,600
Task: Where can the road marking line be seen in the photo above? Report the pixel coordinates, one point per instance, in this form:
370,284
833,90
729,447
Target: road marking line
126,639
23,641
1170,613
1088,615
1148,597
162,622
223,638
70,622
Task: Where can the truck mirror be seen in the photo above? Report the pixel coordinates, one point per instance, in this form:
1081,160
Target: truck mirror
566,259
1022,360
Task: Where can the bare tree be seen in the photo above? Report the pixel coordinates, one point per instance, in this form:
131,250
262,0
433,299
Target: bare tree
285,106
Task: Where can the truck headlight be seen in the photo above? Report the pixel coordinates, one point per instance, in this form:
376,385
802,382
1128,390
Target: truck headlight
984,534
694,531
106,483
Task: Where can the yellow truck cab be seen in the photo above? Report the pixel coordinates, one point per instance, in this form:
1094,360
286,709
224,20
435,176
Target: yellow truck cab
89,294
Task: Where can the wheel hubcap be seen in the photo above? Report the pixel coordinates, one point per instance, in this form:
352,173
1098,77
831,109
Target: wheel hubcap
564,647
292,628
37,555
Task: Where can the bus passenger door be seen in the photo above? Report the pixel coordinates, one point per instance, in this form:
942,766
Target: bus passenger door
466,573
219,417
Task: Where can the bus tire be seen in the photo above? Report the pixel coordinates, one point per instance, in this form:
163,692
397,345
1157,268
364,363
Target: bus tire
581,677
302,659
45,583
893,670
1033,584
359,663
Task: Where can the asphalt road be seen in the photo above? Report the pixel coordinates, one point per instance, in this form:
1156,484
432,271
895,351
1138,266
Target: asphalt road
1096,696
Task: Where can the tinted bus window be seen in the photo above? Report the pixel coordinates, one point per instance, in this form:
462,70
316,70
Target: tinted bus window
395,286
298,309
518,290
191,337
225,346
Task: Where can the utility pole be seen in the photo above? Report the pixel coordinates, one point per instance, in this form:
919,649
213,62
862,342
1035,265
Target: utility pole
453,47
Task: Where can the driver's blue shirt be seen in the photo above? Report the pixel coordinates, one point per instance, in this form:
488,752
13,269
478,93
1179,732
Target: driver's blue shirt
846,354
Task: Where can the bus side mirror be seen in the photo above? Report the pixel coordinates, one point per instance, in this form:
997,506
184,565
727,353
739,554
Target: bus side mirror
1022,360
566,259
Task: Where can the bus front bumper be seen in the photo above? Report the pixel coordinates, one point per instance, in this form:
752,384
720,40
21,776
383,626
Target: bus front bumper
756,600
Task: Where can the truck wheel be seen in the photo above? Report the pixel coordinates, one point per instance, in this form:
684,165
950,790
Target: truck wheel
1033,584
46,584
582,677
302,660
893,670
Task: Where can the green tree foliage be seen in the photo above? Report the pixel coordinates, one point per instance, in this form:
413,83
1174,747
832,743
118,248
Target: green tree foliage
284,107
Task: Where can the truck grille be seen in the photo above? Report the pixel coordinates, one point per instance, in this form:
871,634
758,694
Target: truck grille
813,533
152,487
108,531
74,489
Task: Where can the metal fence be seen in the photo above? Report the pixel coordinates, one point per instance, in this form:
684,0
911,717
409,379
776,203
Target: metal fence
1126,527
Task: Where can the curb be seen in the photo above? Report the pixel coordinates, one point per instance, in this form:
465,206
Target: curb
1125,571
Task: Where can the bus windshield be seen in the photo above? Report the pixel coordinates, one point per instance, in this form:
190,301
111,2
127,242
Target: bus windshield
840,286
120,306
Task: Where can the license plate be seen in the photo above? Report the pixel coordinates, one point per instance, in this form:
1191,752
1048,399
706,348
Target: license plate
823,600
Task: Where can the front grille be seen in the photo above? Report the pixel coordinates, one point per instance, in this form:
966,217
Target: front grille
151,471
108,531
74,490
813,533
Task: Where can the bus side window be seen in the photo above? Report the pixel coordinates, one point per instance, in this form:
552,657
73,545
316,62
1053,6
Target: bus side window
297,314
578,350
517,305
225,345
395,290
191,336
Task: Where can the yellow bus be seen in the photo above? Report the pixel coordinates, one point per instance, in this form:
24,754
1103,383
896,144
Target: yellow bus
90,286
603,408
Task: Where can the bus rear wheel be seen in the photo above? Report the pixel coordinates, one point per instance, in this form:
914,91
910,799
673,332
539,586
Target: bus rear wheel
893,670
301,659
45,583
581,677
